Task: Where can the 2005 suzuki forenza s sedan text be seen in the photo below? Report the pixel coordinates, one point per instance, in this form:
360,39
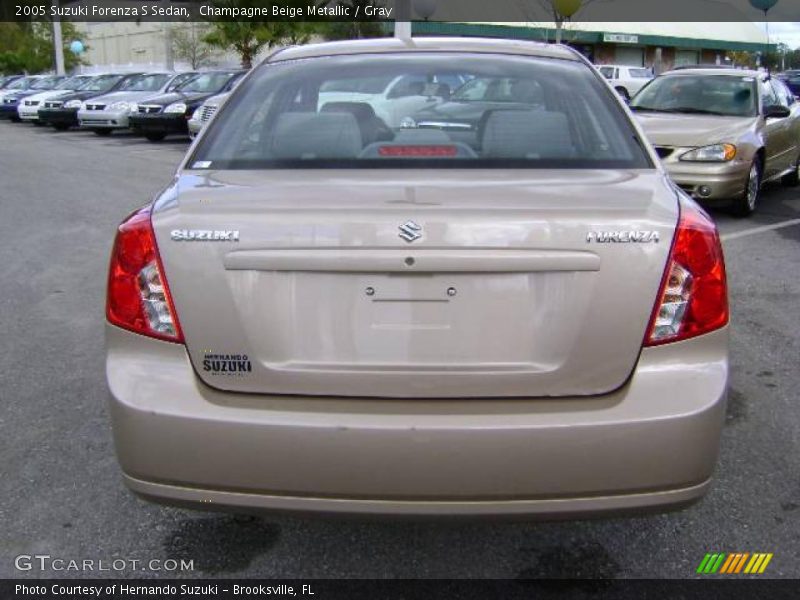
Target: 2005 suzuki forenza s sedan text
507,312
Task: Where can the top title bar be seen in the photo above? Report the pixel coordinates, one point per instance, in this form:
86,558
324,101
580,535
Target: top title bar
532,12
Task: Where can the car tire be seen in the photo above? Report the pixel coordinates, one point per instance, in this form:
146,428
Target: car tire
747,203
792,179
102,132
155,137
61,126
623,92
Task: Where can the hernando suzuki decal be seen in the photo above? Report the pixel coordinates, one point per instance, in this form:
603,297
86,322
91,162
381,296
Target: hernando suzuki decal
227,364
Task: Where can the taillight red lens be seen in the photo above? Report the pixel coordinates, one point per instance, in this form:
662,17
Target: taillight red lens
693,298
138,294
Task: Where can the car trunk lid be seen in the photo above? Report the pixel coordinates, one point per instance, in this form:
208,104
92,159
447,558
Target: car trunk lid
399,283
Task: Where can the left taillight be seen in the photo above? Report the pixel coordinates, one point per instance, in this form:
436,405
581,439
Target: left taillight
138,296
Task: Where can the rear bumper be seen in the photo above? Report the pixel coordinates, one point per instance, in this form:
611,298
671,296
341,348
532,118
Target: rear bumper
652,444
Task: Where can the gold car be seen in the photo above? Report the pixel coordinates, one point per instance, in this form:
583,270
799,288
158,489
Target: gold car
722,133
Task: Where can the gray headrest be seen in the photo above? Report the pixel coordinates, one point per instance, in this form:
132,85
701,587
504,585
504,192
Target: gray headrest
316,135
527,134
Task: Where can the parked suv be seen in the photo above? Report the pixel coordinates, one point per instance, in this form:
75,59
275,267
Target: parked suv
315,316
104,114
625,79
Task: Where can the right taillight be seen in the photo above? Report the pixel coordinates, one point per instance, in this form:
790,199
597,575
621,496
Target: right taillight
138,295
693,298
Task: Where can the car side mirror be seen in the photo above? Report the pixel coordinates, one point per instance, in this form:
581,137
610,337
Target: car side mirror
776,111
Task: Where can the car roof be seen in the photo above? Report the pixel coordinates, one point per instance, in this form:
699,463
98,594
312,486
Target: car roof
425,44
729,72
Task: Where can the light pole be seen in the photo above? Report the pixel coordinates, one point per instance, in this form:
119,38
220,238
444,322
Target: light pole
58,42
402,24
169,63
562,10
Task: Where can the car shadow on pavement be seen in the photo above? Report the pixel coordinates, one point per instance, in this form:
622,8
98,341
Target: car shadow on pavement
220,544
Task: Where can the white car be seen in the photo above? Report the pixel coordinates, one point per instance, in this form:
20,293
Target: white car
28,108
203,114
625,79
393,99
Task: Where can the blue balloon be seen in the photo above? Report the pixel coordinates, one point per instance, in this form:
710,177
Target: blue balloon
76,47
764,5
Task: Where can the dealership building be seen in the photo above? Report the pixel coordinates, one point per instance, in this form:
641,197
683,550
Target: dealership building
660,46
656,45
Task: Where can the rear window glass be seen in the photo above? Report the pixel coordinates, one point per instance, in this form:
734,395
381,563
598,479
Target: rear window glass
400,110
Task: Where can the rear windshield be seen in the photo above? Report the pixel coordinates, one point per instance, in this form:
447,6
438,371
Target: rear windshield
422,110
724,95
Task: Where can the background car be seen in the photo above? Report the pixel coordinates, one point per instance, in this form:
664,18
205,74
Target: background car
28,107
62,112
394,98
791,78
7,80
722,133
19,84
305,319
170,113
464,114
104,114
11,97
204,112
625,79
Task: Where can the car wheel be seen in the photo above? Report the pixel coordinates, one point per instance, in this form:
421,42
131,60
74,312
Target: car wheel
623,92
61,126
792,179
102,132
155,137
746,205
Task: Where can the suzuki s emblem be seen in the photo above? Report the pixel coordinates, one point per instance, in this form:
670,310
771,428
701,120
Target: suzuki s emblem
410,231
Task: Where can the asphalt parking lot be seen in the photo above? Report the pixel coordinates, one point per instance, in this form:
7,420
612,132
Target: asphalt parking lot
61,197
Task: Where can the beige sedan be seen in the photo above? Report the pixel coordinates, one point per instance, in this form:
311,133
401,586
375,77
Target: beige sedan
722,133
516,315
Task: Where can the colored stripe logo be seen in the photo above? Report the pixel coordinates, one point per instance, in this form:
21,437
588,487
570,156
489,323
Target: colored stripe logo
734,563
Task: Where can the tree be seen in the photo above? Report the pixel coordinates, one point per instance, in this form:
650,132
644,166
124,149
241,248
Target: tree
28,47
189,45
247,37
349,30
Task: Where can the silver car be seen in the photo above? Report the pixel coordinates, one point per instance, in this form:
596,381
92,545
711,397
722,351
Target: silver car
324,313
203,114
106,113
